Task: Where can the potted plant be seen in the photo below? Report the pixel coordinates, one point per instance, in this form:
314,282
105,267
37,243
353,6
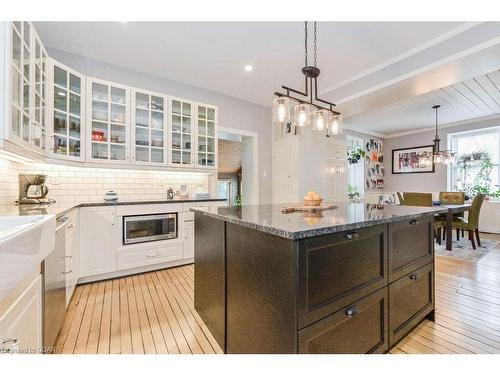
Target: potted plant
354,156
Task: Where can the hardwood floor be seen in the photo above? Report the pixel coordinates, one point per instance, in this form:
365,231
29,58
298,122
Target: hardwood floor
154,313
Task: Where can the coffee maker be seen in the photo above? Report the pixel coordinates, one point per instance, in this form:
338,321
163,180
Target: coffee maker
32,189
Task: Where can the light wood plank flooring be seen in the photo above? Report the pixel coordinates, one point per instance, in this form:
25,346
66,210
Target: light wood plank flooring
154,313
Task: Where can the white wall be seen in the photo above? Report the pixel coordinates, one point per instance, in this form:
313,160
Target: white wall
233,113
424,182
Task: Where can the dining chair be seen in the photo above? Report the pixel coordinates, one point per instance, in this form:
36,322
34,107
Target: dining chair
417,199
471,224
453,197
400,198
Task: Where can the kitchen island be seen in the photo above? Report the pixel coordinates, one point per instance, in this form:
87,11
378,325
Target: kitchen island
353,279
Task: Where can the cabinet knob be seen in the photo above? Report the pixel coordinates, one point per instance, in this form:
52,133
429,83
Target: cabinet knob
414,222
414,276
352,235
351,311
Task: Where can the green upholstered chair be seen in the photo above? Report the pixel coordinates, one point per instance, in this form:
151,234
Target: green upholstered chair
400,198
452,197
471,224
417,199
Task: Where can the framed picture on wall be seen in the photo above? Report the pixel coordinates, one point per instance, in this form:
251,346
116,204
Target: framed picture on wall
408,160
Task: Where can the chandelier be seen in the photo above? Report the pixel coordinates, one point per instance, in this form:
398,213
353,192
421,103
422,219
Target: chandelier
307,109
437,156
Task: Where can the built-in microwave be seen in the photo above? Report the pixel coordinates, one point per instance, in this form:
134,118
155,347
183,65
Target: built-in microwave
147,228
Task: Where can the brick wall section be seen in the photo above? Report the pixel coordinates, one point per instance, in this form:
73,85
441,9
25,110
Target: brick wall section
229,156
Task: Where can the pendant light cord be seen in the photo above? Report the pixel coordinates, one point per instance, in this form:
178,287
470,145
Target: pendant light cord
315,44
437,122
305,40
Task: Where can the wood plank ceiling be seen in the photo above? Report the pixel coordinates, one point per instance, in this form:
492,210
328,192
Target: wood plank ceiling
465,100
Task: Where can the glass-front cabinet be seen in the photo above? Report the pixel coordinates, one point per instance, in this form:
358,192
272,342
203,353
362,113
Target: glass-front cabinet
68,89
108,122
206,133
28,91
181,133
149,131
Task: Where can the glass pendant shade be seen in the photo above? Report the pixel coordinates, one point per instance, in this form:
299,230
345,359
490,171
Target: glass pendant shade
320,119
281,110
335,124
302,115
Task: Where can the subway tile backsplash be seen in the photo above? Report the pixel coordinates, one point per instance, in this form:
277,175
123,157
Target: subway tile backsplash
78,185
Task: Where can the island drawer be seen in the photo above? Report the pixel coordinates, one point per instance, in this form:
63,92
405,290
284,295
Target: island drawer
338,269
339,333
411,245
411,298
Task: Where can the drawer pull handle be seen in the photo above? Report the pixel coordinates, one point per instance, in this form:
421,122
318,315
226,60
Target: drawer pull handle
11,341
66,272
414,222
351,311
352,236
152,255
414,276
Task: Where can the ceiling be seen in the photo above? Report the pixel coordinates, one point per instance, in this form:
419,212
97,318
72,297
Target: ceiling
212,55
385,76
468,99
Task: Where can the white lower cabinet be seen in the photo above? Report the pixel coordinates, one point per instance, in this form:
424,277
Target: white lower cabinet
188,235
72,253
131,257
21,325
97,241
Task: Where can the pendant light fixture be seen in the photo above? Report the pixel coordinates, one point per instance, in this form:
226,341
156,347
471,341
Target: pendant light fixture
304,110
437,156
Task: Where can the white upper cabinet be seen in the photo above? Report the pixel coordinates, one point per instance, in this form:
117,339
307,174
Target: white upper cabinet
181,133
66,119
206,136
27,70
108,122
149,128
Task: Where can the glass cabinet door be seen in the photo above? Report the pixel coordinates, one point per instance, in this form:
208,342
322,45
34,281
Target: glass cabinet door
149,127
39,126
181,132
21,80
108,122
67,114
206,136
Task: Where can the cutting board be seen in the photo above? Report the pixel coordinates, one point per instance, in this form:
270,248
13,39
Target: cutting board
323,207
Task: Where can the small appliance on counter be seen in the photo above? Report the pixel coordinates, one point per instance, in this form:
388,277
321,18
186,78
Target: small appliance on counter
110,196
32,189
170,193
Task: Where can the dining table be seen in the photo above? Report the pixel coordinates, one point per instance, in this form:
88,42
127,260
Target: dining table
452,209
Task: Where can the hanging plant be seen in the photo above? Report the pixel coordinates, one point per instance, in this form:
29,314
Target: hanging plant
480,161
354,156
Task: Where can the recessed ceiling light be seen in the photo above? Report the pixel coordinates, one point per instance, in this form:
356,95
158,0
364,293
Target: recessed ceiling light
248,68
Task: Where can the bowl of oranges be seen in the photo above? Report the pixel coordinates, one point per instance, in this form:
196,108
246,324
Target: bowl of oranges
312,199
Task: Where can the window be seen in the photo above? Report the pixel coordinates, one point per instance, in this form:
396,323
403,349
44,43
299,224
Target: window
477,162
356,172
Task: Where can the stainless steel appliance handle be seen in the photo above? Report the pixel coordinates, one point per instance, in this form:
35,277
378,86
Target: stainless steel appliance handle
62,222
148,217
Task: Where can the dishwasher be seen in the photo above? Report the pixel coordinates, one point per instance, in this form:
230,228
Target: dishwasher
54,286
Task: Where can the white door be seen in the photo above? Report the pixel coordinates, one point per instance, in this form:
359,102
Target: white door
21,325
283,174
188,239
97,245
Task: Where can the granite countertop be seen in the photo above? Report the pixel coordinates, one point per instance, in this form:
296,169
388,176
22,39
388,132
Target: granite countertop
59,209
297,225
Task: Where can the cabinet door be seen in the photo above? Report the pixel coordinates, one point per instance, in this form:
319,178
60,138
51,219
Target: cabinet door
72,254
411,298
181,133
67,117
21,325
188,239
97,234
359,328
108,122
411,245
337,269
206,137
149,138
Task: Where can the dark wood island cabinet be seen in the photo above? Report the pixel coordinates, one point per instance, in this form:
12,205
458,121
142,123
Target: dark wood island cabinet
356,280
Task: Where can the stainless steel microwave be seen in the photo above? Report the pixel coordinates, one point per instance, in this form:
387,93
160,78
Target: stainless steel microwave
147,228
